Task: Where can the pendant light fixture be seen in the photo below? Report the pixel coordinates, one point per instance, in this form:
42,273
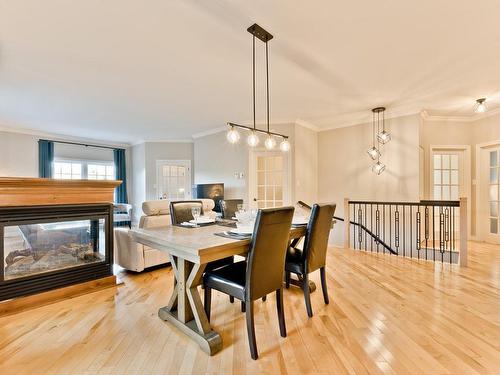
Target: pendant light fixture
480,106
253,138
382,137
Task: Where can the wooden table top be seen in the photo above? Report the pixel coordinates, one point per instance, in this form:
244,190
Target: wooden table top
198,245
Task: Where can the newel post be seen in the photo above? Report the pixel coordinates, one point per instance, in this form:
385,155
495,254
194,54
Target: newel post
347,224
463,232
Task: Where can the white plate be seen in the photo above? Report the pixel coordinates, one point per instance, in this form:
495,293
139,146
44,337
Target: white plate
243,230
203,220
299,221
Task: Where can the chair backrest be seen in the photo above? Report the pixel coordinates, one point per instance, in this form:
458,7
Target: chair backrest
266,256
180,211
318,231
229,207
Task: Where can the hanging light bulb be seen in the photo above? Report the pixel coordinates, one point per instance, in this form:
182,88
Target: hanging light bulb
285,145
270,142
480,106
378,167
253,139
232,135
374,153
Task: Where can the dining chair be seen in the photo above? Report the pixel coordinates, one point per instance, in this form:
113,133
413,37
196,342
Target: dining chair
180,211
230,207
313,255
261,273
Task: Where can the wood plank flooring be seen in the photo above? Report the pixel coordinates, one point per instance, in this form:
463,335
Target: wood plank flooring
387,315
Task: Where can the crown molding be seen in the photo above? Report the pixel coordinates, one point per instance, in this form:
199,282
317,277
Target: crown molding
478,116
307,124
209,132
59,137
358,122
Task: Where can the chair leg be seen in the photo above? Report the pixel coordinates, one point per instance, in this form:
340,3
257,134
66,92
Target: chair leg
231,299
264,298
251,330
208,301
307,296
281,311
323,285
243,307
287,279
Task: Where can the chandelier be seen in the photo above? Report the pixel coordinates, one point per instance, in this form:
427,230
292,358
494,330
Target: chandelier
379,137
233,136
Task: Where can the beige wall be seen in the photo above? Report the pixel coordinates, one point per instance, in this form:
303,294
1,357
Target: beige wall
305,178
18,155
344,167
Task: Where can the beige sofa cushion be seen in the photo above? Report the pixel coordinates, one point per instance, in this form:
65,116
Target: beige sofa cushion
158,207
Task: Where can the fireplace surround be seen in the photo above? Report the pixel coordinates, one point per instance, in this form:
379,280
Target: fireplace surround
47,247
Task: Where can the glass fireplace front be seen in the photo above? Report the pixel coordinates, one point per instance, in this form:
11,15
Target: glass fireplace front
44,247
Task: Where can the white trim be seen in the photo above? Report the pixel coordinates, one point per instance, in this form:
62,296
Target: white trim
307,124
367,121
60,137
467,170
475,117
479,146
210,132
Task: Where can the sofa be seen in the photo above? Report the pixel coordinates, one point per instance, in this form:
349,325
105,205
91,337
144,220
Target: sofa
137,257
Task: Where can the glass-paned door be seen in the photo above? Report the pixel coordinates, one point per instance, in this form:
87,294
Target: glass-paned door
173,179
493,192
488,224
269,183
446,176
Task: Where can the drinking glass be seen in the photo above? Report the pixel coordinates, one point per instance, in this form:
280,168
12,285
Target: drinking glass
196,211
240,208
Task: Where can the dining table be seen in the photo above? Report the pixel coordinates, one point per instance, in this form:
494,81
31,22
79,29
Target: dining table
190,250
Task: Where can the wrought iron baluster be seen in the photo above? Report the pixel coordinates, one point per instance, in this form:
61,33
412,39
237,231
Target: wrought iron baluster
396,229
441,233
377,228
418,233
404,232
366,234
434,232
360,221
426,229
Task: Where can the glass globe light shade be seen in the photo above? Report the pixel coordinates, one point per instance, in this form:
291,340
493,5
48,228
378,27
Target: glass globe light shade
285,145
233,136
270,142
253,139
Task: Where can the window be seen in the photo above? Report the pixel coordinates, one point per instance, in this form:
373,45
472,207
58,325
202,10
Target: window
66,169
493,196
270,173
100,171
446,177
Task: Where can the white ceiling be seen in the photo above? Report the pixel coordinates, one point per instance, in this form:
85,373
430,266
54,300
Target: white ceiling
131,70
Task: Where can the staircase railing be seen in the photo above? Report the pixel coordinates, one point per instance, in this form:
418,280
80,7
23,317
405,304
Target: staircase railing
382,243
430,230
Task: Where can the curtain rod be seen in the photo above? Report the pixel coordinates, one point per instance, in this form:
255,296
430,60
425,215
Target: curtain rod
83,144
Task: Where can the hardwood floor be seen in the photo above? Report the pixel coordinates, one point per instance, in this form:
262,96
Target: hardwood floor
387,315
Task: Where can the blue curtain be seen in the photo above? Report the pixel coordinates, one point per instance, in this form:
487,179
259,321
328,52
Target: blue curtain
45,158
120,174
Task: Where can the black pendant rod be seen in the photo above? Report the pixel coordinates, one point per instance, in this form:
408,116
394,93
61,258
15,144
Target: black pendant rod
267,86
253,73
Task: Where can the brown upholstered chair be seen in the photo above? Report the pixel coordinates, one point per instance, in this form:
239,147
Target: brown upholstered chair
229,207
262,272
313,255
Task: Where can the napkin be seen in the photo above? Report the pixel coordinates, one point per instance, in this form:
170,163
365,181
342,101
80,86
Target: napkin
188,224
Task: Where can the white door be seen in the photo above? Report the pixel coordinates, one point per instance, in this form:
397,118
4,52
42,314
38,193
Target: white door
489,198
268,179
173,179
447,177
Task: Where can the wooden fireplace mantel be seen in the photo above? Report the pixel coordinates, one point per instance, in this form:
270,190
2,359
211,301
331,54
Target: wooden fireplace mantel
20,191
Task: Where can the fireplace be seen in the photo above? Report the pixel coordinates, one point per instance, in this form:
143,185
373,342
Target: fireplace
48,247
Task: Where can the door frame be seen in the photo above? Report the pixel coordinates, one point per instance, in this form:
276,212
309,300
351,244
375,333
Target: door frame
252,175
478,183
178,162
466,149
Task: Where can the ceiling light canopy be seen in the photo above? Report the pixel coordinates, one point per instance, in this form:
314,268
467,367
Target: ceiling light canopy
253,139
480,106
